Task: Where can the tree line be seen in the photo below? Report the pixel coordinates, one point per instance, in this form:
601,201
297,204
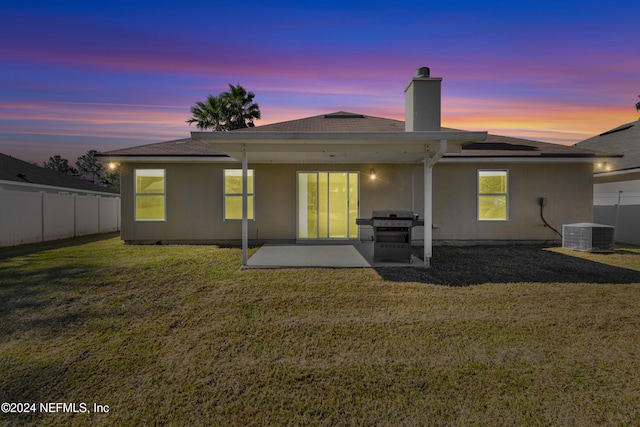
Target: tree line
88,167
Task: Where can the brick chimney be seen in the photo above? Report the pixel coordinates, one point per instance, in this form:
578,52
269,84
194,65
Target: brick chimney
422,102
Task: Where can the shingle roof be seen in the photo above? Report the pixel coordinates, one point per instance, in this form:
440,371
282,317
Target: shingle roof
345,122
12,169
624,139
175,148
340,121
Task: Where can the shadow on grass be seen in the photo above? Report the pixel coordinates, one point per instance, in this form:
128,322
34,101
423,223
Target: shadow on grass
22,250
35,292
31,287
465,266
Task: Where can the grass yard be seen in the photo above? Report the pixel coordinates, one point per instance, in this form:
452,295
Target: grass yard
179,335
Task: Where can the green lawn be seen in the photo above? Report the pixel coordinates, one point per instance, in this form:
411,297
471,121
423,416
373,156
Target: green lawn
179,335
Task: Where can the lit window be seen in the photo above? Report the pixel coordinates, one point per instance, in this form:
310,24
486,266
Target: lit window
150,195
233,194
492,195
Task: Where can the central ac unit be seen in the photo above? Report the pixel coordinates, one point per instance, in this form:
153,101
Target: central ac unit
588,237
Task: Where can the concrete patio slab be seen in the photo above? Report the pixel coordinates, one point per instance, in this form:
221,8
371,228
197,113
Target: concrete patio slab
357,255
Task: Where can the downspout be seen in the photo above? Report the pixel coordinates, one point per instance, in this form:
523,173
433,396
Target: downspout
245,222
429,162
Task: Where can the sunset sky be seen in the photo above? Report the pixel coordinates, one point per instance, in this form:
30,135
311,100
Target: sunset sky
80,75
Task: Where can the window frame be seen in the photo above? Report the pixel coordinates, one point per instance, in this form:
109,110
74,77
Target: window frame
251,212
136,194
480,195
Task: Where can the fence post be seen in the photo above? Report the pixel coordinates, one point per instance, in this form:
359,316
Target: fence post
75,215
42,216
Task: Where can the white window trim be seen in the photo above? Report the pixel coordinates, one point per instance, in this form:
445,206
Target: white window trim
478,195
225,194
136,194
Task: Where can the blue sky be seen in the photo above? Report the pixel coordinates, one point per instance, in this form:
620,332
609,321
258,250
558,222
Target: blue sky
99,75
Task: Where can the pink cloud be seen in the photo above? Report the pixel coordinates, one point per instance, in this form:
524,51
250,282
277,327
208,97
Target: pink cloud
553,122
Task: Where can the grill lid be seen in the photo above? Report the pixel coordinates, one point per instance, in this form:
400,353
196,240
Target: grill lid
393,214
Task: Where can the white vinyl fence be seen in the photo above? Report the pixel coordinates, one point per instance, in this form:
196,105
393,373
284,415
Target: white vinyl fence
622,210
31,217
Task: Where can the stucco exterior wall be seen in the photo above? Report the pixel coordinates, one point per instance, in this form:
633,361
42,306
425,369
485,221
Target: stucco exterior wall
568,189
193,204
194,200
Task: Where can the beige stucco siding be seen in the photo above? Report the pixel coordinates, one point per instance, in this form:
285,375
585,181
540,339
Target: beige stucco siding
567,187
193,204
194,200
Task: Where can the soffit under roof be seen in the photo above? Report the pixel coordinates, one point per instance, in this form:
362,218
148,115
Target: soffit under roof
335,147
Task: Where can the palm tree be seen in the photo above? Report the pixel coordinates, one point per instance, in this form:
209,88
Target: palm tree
228,111
638,105
241,110
208,114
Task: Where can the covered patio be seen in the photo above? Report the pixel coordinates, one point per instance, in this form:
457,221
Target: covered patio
352,255
426,147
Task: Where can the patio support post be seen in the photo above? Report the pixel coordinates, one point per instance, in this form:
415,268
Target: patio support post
429,162
428,213
245,221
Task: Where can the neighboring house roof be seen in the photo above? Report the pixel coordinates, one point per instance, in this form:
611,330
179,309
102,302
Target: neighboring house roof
16,170
505,146
346,122
624,139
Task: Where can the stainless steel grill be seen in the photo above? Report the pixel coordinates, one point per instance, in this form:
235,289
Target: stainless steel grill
391,234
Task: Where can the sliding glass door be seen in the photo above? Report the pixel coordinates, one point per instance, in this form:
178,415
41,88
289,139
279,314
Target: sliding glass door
327,205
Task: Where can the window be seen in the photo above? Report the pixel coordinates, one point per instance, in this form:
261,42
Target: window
150,195
233,194
492,195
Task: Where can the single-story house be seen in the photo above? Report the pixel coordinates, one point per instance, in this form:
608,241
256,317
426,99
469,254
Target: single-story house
38,204
617,180
308,180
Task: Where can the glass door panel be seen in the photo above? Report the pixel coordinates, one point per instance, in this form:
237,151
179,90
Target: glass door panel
323,205
327,205
338,218
307,208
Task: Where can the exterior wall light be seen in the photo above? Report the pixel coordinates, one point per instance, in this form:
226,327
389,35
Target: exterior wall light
372,174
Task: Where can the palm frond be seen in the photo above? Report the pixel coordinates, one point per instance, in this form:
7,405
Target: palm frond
230,110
